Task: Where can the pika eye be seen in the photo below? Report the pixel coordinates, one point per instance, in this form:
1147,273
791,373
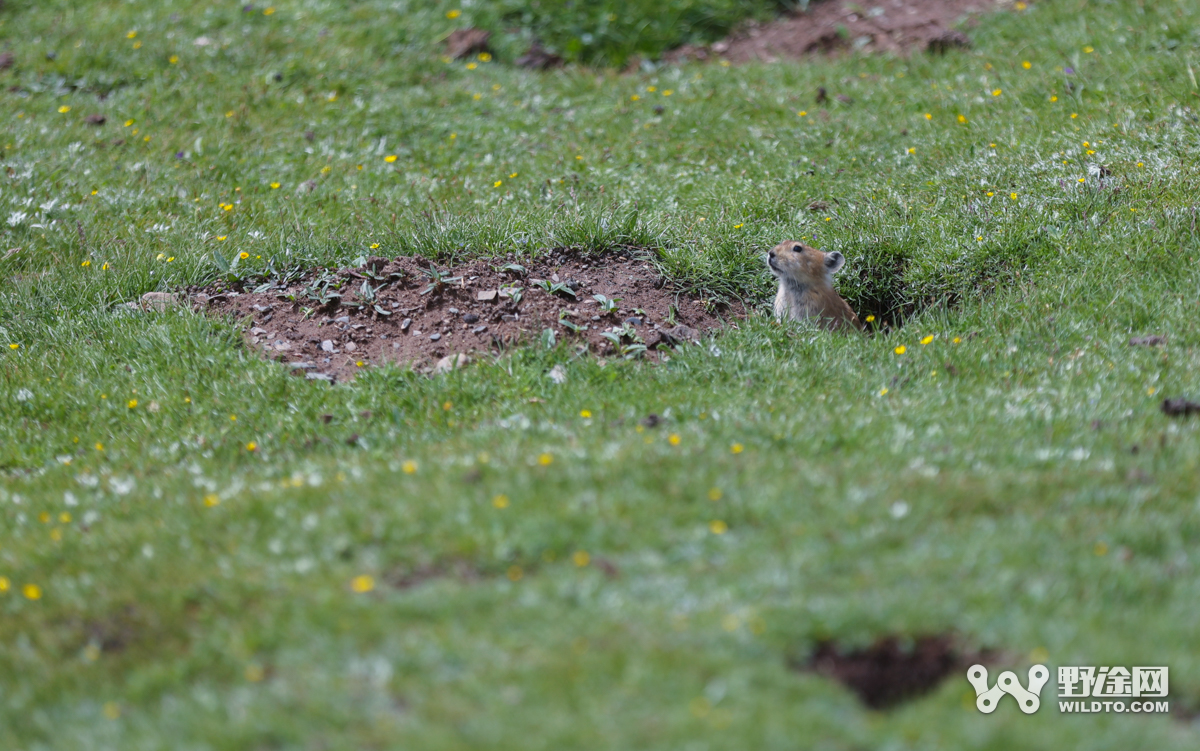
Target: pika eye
797,248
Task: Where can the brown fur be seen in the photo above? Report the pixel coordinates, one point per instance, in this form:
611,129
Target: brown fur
806,286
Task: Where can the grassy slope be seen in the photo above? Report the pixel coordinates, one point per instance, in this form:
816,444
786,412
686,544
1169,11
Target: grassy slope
1030,526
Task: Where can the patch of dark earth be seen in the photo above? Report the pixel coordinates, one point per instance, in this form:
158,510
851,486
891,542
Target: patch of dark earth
893,669
1180,407
331,323
829,27
892,26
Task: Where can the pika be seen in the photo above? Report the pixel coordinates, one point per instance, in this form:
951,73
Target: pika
806,285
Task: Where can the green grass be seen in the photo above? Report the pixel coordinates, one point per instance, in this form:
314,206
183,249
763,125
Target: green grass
611,32
202,595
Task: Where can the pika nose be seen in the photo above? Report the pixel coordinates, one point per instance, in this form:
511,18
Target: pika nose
771,253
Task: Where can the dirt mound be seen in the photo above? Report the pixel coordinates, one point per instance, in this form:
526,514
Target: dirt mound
891,670
331,322
883,25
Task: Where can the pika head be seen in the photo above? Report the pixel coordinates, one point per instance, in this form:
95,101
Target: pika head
806,285
804,264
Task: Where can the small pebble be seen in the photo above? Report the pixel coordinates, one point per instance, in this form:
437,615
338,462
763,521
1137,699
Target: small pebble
434,337
479,329
470,318
405,324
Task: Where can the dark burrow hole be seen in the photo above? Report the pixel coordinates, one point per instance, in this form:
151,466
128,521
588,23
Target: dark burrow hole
879,280
892,670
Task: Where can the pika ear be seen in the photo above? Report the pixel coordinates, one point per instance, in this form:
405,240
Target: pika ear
834,262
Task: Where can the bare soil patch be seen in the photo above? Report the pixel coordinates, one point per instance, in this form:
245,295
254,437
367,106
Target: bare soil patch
897,26
892,670
330,323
